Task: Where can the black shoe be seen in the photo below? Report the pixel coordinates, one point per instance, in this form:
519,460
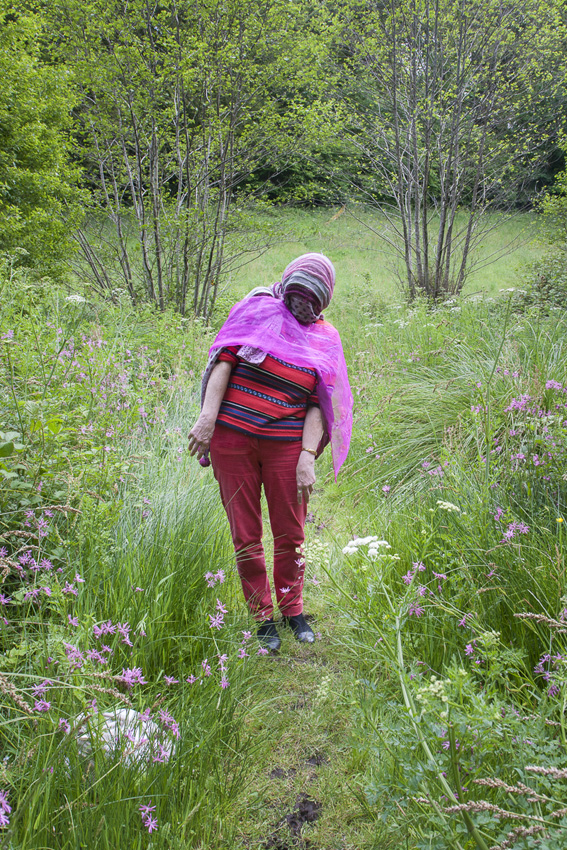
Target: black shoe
300,628
268,635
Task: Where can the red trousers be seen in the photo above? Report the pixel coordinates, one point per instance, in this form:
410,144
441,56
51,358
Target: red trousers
243,463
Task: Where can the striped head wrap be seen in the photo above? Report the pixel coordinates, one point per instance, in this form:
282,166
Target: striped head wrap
307,286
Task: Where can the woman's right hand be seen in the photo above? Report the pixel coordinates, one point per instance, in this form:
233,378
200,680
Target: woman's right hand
200,435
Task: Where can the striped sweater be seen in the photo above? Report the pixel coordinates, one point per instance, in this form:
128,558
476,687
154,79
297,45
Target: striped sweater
269,399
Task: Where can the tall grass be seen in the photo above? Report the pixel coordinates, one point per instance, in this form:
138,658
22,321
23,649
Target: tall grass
458,622
124,663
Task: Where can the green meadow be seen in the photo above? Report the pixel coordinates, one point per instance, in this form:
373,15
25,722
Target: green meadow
429,713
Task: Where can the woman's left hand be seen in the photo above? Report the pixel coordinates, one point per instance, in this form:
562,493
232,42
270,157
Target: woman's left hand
305,475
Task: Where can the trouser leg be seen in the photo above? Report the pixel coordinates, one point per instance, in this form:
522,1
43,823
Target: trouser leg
287,519
237,468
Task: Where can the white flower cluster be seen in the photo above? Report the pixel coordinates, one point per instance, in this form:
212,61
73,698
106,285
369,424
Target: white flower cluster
448,506
435,690
374,546
75,299
322,692
316,552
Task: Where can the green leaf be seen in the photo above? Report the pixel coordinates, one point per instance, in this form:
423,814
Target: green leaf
6,449
55,425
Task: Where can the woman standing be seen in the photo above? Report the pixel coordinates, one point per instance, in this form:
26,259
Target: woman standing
275,391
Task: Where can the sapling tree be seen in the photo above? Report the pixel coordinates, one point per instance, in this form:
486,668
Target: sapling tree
458,105
180,105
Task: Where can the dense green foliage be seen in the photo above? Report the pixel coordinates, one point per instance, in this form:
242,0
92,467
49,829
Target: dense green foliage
180,121
38,201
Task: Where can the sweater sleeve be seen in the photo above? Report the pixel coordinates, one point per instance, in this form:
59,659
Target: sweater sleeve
228,355
313,399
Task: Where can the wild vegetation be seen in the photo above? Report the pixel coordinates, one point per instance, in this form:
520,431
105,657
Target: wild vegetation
156,162
136,706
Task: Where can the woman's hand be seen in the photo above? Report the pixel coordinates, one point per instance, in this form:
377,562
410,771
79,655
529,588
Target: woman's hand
200,435
305,475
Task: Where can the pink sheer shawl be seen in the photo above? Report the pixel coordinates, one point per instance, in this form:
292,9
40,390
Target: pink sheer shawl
264,322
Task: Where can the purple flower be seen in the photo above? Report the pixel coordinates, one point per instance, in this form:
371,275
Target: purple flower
4,805
498,514
469,649
246,636
262,650
69,588
41,688
73,621
106,628
224,682
419,566
163,755
518,404
94,655
64,725
520,527
170,680
191,679
42,705
151,824
132,676
553,385
217,620
407,579
149,821
242,653
169,722
124,629
221,608
415,610
386,489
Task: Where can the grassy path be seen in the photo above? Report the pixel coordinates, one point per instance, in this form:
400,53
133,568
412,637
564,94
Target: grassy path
303,794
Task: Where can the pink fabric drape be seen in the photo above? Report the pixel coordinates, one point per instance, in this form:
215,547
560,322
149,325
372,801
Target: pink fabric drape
265,323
